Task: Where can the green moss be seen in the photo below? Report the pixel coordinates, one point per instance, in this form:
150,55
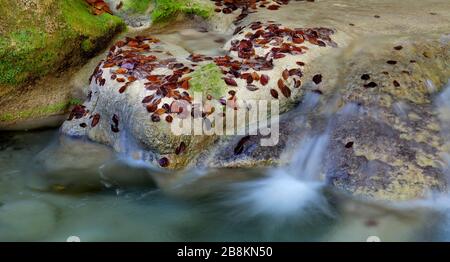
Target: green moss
60,34
167,9
26,53
136,6
41,111
75,101
208,79
92,28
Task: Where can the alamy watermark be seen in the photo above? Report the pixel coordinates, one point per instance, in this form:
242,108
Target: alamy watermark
204,116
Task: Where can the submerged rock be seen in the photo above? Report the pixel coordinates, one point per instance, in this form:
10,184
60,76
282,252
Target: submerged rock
27,220
58,167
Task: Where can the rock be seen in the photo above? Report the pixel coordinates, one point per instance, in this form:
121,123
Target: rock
166,10
142,13
42,51
58,167
112,175
116,121
364,221
294,126
137,92
135,13
392,148
26,220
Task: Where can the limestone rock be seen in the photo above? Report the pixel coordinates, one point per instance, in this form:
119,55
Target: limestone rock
138,91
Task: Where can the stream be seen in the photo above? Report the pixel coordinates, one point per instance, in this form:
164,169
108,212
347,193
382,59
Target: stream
96,205
56,188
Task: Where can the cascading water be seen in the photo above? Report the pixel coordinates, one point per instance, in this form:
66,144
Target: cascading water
292,190
442,104
287,191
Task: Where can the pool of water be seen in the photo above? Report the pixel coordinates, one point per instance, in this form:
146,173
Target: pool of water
49,192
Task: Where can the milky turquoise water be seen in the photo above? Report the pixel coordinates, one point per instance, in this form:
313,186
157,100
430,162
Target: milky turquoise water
95,204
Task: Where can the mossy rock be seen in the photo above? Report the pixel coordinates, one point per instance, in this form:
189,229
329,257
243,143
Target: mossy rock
41,111
136,6
137,13
41,37
42,44
165,10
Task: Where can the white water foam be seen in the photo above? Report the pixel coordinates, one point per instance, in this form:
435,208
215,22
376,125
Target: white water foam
290,191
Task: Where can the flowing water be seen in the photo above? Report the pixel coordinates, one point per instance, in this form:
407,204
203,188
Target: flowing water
54,187
112,199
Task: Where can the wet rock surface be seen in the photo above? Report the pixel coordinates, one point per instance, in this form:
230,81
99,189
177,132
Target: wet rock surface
386,140
392,147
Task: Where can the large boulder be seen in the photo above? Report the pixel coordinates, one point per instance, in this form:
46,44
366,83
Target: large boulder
137,91
392,146
41,51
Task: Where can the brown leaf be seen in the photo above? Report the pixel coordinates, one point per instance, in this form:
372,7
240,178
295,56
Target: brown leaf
95,120
274,93
298,39
230,81
317,79
264,79
124,87
108,65
273,7
121,71
283,88
278,56
255,76
169,119
181,148
155,118
160,111
148,99
164,162
285,74
185,85
151,107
